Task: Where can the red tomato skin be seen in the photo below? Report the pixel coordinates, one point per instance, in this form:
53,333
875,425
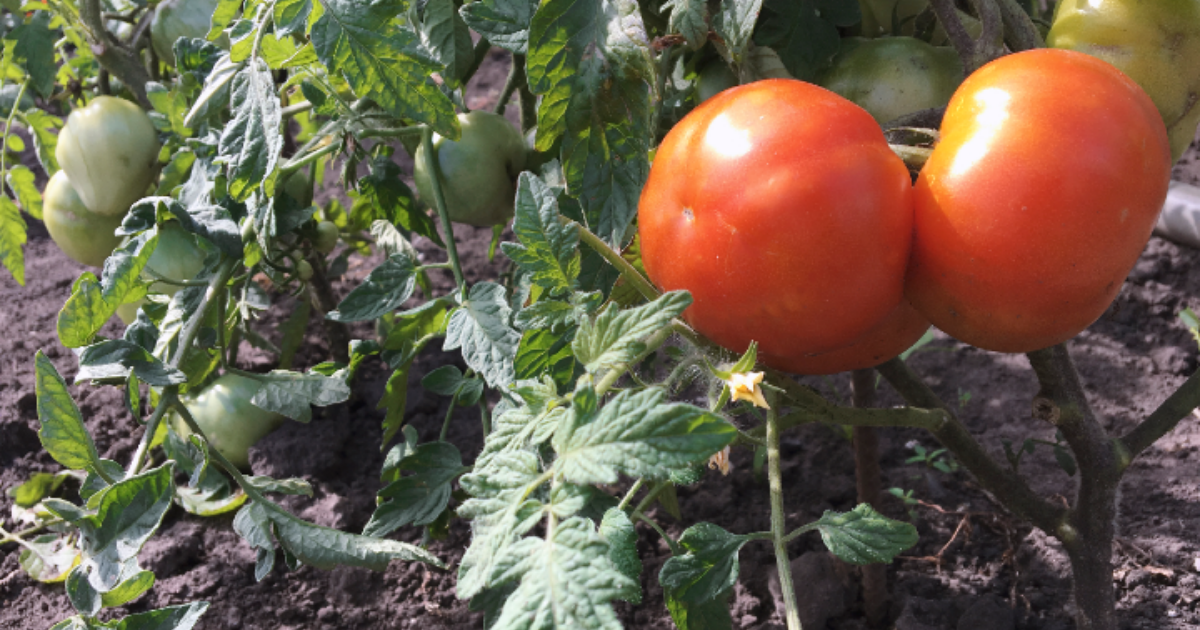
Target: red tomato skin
1037,201
779,206
883,342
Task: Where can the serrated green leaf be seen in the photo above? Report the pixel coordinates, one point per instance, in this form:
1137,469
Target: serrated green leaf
293,394
291,16
548,248
505,23
734,24
615,337
183,617
709,615
21,181
446,35
864,536
592,64
690,19
12,239
35,51
499,512
43,126
62,433
387,287
805,33
251,141
567,581
93,303
384,192
640,435
481,328
383,64
419,498
48,558
520,428
618,530
223,15
708,568
545,353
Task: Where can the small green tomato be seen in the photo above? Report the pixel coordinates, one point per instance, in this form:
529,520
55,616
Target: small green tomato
82,235
230,421
327,237
109,150
478,172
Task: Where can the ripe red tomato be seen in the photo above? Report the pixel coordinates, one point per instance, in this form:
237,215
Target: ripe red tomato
1037,201
884,341
780,207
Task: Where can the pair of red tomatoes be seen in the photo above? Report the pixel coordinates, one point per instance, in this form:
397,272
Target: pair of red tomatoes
781,208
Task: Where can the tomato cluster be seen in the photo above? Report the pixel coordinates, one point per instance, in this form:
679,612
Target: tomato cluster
783,210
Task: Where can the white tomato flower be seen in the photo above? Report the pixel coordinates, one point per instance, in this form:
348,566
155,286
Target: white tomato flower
745,386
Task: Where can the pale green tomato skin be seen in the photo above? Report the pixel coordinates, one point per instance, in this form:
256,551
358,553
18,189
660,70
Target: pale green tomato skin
327,237
176,257
304,270
109,150
893,76
179,18
715,78
299,187
231,423
82,235
478,172
1155,43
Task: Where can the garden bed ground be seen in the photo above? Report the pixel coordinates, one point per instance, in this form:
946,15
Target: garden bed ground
975,567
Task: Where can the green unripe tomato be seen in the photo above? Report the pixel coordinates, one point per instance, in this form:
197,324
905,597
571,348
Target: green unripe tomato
1155,43
179,18
297,186
177,257
304,270
714,78
327,237
82,235
478,172
232,424
109,150
893,76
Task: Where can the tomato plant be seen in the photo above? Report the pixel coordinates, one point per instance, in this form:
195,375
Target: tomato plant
1007,255
797,250
893,76
84,236
174,19
109,150
231,423
671,259
1157,44
478,172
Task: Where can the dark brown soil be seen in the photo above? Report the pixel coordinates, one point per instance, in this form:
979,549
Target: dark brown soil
975,566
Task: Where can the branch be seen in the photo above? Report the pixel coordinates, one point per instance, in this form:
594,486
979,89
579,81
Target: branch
973,52
112,55
1019,31
1061,402
1176,407
1008,487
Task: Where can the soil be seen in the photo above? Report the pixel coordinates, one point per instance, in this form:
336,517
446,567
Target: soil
975,566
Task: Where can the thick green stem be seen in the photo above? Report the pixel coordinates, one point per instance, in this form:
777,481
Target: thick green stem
628,271
439,199
112,55
778,524
297,163
1175,408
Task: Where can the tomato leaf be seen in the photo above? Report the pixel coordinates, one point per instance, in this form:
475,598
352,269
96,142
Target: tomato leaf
710,615
704,566
545,353
12,239
22,182
291,16
505,23
293,394
419,498
548,248
805,33
62,433
640,435
500,513
251,141
734,24
386,65
618,531
394,399
614,336
524,427
481,328
35,51
690,19
566,581
133,356
387,287
446,35
43,126
864,536
183,617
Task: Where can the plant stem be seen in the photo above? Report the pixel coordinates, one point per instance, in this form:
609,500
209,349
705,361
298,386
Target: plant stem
1175,408
439,199
324,301
1019,31
485,418
778,525
650,496
869,478
614,258
296,108
446,421
297,163
8,126
114,57
637,485
19,536
514,80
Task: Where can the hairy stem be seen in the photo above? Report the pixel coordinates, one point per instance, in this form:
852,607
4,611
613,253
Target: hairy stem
111,54
1019,31
1175,408
778,524
628,271
324,300
439,199
869,479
